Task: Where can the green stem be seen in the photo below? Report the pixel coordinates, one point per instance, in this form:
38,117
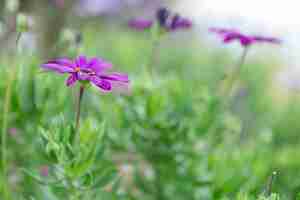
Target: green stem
153,56
236,74
270,183
227,94
78,111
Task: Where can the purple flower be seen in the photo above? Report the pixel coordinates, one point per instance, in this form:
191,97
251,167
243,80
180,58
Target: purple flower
140,24
230,35
44,171
162,16
91,70
180,23
165,19
13,131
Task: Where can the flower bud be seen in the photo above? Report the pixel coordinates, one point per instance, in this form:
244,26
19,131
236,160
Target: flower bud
22,23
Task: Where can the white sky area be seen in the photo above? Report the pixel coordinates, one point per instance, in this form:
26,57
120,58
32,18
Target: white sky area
280,18
273,12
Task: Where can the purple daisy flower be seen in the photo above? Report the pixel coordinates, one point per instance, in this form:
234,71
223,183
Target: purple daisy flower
230,35
165,19
91,70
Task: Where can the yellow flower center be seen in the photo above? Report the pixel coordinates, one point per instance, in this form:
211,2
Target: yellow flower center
77,69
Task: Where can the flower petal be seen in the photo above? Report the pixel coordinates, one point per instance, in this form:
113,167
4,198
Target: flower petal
57,68
162,15
71,79
81,61
60,65
104,85
98,65
140,24
267,39
64,61
229,35
116,77
178,22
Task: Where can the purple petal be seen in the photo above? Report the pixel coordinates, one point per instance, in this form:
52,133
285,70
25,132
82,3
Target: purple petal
57,67
121,88
184,23
162,15
60,65
180,23
64,61
229,35
227,38
116,77
120,82
140,24
266,39
98,65
72,79
104,85
81,61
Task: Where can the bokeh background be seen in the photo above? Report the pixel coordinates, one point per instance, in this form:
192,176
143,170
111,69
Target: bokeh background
159,137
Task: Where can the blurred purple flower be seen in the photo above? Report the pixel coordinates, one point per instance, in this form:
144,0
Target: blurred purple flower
140,24
91,70
98,7
230,35
162,16
165,19
44,171
13,131
59,3
180,23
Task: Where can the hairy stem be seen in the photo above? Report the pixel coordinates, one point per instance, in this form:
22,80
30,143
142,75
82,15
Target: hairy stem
78,107
236,74
153,56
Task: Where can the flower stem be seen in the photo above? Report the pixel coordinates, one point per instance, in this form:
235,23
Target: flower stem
226,94
153,56
78,108
270,183
236,74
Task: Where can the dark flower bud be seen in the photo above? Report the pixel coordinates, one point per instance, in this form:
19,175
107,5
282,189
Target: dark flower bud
162,16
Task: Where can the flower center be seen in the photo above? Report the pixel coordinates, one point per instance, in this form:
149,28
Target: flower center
77,69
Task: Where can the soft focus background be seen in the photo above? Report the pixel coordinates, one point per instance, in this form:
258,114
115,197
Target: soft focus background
159,137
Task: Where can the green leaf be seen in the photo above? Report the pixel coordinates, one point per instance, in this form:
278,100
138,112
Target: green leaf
90,139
